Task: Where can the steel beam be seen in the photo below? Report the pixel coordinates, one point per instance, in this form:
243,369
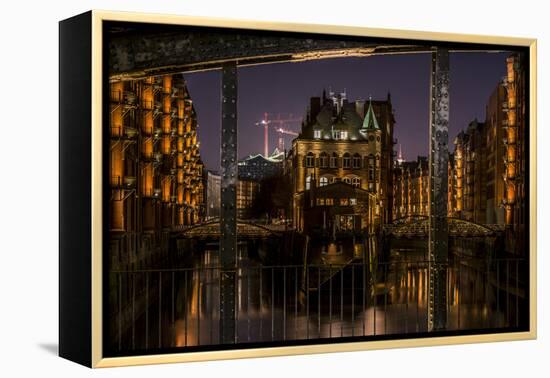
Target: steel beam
228,213
439,159
136,53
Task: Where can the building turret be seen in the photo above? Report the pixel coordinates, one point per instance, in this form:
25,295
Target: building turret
370,123
370,129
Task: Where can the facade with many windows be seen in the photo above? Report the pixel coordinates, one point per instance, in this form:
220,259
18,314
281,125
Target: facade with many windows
495,124
259,167
342,145
253,171
155,169
411,188
471,172
515,143
247,192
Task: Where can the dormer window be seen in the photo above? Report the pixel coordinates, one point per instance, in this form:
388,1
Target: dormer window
339,134
317,134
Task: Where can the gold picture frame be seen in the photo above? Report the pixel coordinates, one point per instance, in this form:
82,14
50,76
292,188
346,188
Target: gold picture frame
94,265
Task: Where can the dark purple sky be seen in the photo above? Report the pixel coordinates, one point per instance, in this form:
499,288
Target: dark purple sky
287,87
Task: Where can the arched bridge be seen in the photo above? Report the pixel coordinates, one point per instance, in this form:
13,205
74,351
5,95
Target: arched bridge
418,226
211,230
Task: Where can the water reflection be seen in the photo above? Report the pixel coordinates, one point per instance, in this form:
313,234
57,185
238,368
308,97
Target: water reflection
326,299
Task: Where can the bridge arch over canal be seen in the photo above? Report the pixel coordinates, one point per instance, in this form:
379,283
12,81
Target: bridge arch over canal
212,230
417,226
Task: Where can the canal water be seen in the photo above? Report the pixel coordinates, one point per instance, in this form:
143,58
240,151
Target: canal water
329,298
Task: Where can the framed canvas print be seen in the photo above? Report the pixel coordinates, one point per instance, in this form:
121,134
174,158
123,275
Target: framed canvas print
235,189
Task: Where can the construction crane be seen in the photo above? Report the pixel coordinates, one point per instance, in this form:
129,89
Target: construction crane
282,132
278,122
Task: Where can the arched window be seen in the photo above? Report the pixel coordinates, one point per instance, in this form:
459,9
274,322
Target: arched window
356,181
347,180
308,182
334,160
347,161
323,181
323,160
310,160
356,161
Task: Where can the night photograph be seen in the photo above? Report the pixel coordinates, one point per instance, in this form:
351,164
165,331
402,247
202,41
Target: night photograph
305,189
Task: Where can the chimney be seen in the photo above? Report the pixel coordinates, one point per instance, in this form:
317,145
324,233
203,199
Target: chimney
314,108
360,108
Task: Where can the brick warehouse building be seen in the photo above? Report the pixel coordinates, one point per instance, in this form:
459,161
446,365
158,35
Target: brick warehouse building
411,188
487,167
157,178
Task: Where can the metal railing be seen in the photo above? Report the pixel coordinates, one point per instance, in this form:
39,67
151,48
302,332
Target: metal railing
166,308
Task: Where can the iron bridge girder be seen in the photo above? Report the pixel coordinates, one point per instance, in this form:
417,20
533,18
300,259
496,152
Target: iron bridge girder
137,55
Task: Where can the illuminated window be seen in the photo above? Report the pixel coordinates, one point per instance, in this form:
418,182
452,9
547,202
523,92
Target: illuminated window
336,134
356,181
320,202
353,201
344,135
347,161
329,201
346,222
324,181
317,134
310,160
344,202
308,182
